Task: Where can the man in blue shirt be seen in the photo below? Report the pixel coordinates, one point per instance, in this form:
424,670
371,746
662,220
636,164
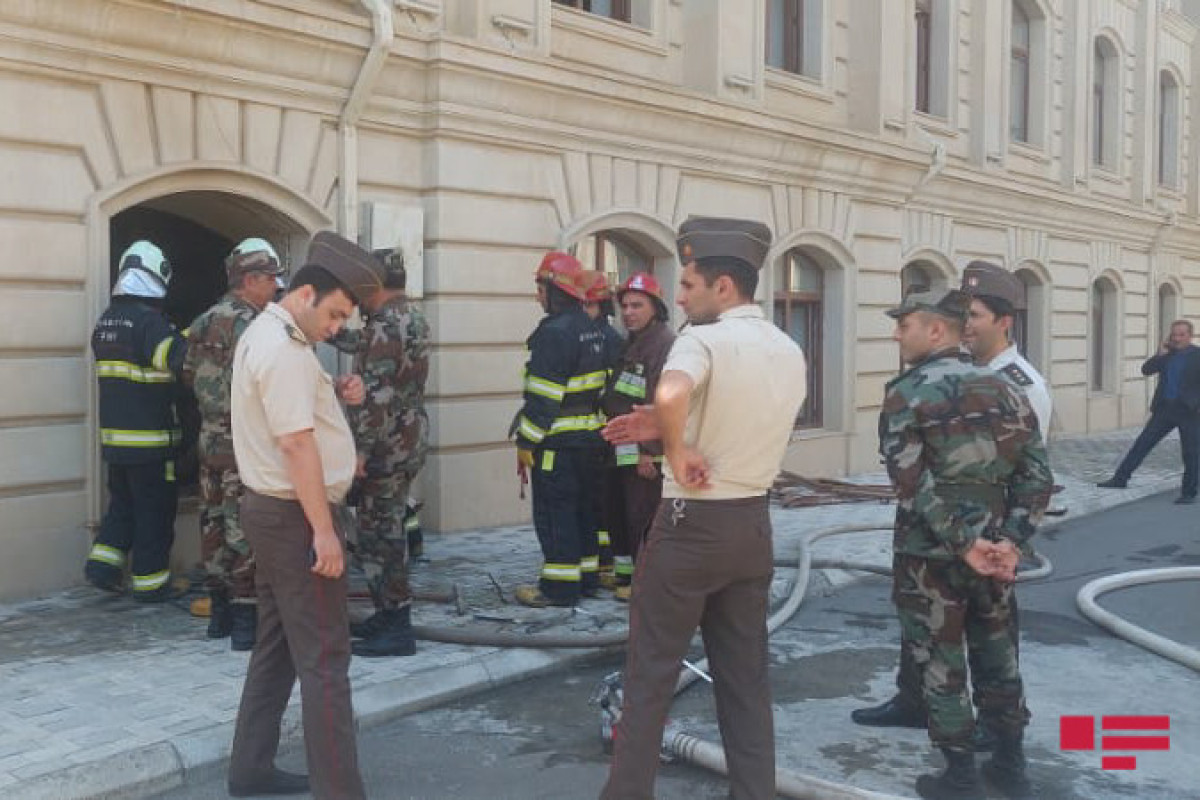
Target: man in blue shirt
1176,404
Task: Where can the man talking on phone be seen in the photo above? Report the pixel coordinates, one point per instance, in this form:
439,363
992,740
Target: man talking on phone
1176,404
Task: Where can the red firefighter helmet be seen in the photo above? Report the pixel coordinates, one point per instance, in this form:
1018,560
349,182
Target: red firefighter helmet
562,270
642,282
595,286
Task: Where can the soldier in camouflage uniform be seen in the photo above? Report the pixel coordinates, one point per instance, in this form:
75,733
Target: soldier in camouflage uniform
391,431
972,479
253,271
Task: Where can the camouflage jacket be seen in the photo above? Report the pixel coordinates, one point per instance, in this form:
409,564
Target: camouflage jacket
963,451
208,368
391,353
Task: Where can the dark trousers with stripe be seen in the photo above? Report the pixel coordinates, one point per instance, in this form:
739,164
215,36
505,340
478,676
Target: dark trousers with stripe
564,515
140,520
709,566
303,630
629,512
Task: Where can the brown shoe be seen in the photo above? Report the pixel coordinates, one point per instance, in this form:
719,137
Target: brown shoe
623,593
608,579
532,596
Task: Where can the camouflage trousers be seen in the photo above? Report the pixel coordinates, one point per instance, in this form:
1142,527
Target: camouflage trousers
944,608
224,551
382,547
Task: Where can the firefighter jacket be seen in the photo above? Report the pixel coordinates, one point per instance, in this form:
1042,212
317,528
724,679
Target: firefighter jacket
139,355
563,380
635,377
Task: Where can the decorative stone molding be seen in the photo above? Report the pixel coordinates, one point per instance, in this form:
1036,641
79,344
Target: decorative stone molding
927,229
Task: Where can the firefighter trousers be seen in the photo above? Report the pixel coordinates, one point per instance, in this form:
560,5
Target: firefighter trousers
629,512
564,515
140,524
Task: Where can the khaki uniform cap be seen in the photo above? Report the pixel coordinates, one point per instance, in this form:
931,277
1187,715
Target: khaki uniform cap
707,237
356,268
984,279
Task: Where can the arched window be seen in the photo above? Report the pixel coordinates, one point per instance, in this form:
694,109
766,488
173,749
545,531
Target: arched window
1029,323
1105,103
1168,130
1103,360
794,36
614,254
920,276
1019,62
1168,311
799,310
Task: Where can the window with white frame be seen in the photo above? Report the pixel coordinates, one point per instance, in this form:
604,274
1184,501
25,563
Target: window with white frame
1168,311
1167,150
931,53
1103,360
620,10
614,254
799,310
794,36
1019,64
1105,103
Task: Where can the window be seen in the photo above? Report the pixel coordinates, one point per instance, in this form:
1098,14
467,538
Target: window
1104,103
620,10
1168,312
1168,130
1018,112
1104,336
794,36
924,20
1029,323
799,312
613,254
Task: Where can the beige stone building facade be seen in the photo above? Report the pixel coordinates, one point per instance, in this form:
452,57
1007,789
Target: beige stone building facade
885,142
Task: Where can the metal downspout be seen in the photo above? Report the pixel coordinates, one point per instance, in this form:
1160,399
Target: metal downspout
383,33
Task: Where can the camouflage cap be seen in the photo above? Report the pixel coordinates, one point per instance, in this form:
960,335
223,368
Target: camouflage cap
985,279
253,255
358,270
705,237
949,303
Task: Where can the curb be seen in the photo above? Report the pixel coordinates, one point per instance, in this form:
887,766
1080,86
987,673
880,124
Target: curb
147,770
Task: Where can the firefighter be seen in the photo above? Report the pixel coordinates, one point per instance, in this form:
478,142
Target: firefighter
598,303
634,476
253,271
557,435
139,357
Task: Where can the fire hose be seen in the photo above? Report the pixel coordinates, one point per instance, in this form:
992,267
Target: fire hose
677,744
1159,645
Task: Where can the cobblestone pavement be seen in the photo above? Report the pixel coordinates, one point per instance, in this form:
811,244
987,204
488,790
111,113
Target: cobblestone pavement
93,688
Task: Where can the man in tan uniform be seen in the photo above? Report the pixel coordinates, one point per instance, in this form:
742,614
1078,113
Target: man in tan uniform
725,408
296,457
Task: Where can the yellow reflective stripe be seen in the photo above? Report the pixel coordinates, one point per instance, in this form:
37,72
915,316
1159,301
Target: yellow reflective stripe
412,523
632,390
584,383
589,564
121,438
622,565
544,388
561,572
129,371
160,353
107,555
169,472
530,431
587,422
148,583
547,461
604,539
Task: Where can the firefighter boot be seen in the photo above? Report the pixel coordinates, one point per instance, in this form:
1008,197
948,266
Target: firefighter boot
393,638
104,576
220,615
899,712
1006,769
368,627
243,626
960,781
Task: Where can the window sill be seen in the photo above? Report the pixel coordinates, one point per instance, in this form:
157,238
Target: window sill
607,29
1106,175
1169,192
934,124
798,84
1029,152
813,434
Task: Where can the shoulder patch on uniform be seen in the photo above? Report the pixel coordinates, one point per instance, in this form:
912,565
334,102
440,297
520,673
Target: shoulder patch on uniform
1017,375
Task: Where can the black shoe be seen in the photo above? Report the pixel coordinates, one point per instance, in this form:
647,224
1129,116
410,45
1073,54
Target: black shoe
275,782
243,626
368,627
393,638
1006,770
103,576
1113,483
220,616
895,713
1185,500
960,781
171,590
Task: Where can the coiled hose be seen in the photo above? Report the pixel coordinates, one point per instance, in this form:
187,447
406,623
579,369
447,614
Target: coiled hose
1160,645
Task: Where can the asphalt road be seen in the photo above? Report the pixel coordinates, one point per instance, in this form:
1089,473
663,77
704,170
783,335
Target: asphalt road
540,739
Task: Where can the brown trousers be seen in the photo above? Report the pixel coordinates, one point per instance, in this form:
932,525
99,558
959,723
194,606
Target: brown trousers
711,567
303,630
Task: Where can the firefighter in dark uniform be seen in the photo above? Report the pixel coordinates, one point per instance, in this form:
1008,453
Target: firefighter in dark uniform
557,435
633,478
139,357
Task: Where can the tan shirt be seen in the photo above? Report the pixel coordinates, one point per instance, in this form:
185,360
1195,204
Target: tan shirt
279,388
749,385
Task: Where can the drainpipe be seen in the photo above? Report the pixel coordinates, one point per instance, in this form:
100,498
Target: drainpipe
383,32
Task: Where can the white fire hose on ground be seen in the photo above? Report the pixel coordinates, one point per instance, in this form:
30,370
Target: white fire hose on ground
1160,645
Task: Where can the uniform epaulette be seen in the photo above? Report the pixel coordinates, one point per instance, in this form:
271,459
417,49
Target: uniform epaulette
1017,375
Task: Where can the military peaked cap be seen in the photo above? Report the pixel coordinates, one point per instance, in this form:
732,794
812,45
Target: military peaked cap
985,279
358,270
706,237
